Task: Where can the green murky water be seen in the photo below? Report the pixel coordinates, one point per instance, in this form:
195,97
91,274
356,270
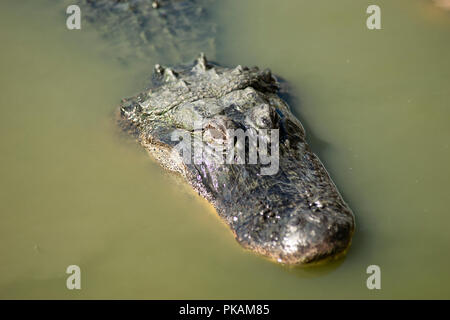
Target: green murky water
74,190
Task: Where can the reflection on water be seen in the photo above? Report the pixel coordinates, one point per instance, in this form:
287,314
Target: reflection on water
74,190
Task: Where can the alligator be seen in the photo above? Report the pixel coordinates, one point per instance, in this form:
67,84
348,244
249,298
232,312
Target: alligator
170,31
293,214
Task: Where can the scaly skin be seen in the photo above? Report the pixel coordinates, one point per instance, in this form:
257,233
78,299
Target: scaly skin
295,216
173,31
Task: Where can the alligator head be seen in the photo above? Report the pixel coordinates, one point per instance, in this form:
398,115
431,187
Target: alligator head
266,184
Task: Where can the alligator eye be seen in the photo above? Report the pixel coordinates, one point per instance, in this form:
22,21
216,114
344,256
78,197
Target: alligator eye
265,117
215,132
265,122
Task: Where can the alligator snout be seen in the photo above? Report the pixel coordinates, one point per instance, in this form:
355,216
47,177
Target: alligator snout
293,229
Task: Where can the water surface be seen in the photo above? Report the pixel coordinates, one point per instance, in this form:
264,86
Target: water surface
74,190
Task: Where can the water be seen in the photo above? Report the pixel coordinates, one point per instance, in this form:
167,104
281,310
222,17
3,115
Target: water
74,190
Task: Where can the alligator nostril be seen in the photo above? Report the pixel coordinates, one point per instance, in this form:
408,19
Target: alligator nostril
313,242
